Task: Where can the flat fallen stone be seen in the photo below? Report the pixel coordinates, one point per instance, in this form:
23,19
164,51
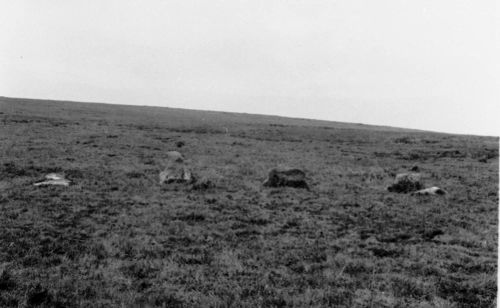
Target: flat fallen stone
53,179
62,182
54,176
431,191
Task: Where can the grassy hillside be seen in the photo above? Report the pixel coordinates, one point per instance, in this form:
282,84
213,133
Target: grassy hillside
116,237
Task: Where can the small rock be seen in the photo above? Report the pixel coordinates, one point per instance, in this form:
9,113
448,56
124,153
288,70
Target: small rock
54,176
176,174
406,182
286,177
175,156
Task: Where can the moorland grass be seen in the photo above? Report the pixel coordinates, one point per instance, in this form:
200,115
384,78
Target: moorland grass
116,238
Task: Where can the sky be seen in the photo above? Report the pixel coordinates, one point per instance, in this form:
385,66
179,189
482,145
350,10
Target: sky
426,64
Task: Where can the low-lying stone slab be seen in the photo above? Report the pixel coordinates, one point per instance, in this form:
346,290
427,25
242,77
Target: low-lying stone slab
431,191
54,179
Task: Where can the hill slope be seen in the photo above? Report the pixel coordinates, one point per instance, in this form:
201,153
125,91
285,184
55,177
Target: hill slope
116,237
169,117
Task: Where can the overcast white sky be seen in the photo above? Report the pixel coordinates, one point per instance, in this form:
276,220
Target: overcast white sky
428,64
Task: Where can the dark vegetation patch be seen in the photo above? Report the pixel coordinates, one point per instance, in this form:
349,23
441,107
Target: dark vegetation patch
203,184
431,234
134,175
192,217
6,281
405,140
13,169
116,238
383,252
198,130
468,293
37,295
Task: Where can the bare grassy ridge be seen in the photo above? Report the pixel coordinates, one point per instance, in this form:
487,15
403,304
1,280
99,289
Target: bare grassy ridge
118,238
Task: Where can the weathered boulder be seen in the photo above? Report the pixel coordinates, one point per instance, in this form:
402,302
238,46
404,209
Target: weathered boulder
286,177
175,156
53,179
176,173
431,191
406,182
